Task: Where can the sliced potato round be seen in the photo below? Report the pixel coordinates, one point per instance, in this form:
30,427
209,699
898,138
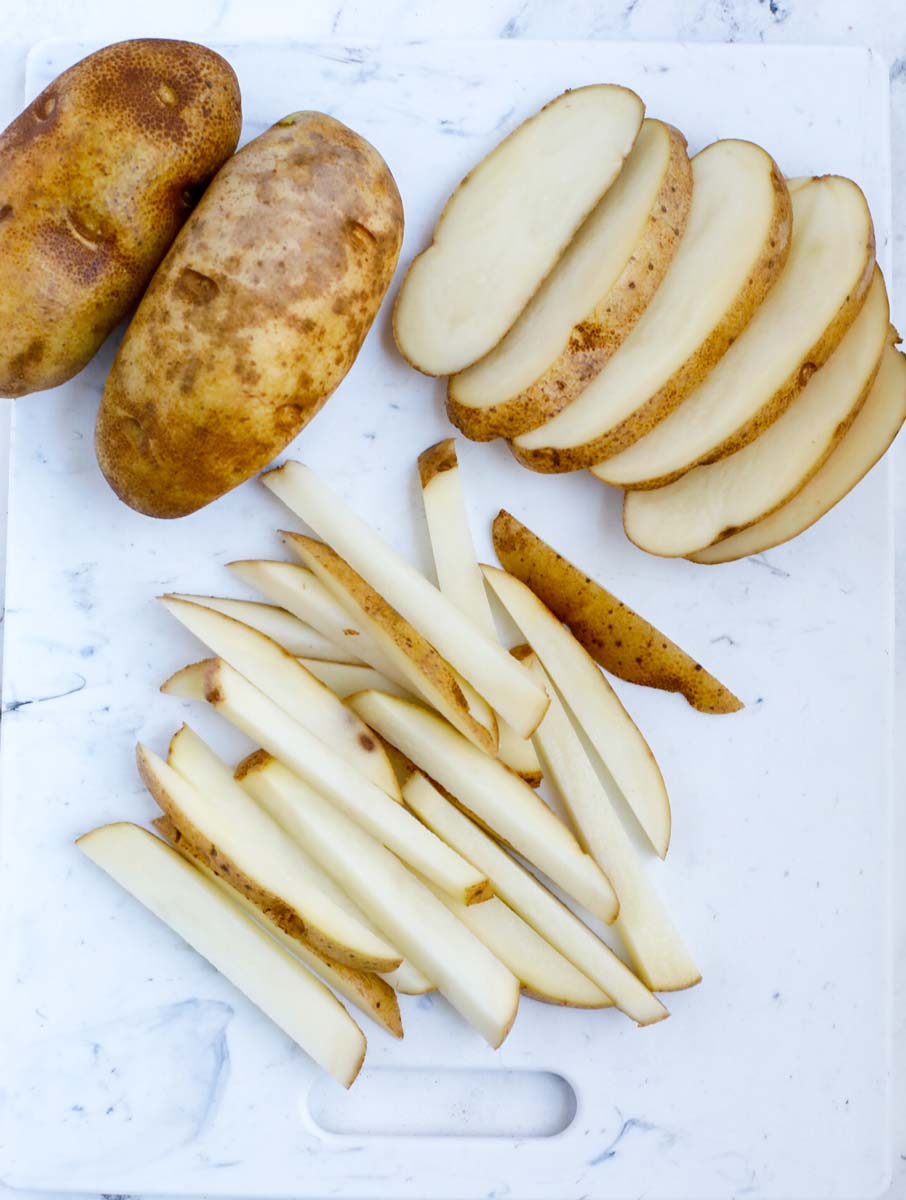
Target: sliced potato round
796,330
716,501
589,303
507,224
870,435
734,247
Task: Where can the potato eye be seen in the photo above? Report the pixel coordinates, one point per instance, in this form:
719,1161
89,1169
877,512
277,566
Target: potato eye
44,107
166,95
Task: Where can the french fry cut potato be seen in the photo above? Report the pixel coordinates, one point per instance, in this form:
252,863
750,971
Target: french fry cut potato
370,993
293,635
202,915
656,950
282,677
460,579
498,798
734,247
481,660
591,300
241,843
244,706
795,331
868,438
523,893
408,980
345,679
613,634
478,986
594,704
507,224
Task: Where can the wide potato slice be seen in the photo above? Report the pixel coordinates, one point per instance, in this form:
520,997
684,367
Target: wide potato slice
794,332
867,440
293,635
507,224
614,635
734,247
205,917
716,501
589,303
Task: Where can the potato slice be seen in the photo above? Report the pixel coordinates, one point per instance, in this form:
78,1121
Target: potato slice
345,679
734,247
656,950
716,501
370,993
589,303
795,331
293,635
307,700
408,980
613,634
479,659
478,986
413,656
868,438
523,893
498,798
242,844
508,223
244,706
460,579
594,704
202,915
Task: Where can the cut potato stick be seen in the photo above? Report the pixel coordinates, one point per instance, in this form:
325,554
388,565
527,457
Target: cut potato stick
296,636
413,656
497,797
594,704
241,843
283,678
656,950
202,915
408,980
478,986
613,634
460,579
479,659
523,893
345,679
244,706
370,993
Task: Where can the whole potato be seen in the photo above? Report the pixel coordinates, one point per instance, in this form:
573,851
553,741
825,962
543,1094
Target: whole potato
97,176
254,317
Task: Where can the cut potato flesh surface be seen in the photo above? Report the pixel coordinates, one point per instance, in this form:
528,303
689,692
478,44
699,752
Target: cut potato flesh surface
481,660
476,983
508,223
733,249
793,333
560,927
244,706
716,501
202,915
497,797
868,438
595,705
590,301
409,980
292,634
345,679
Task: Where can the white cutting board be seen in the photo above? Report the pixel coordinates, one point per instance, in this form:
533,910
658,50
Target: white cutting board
131,1067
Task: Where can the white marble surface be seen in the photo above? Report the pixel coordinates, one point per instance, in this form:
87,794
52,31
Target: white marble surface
224,23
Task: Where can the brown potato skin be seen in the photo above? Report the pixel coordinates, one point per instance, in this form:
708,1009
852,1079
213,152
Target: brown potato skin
97,176
616,636
254,317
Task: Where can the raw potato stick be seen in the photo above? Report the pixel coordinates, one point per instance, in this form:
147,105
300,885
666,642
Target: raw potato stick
296,636
345,679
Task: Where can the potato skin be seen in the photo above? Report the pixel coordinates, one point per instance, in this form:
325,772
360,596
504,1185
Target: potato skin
254,317
97,176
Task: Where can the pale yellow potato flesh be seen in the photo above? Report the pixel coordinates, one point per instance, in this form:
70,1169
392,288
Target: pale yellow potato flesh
715,501
596,707
296,636
507,224
522,892
202,915
345,679
734,247
467,974
591,300
409,980
867,440
498,798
